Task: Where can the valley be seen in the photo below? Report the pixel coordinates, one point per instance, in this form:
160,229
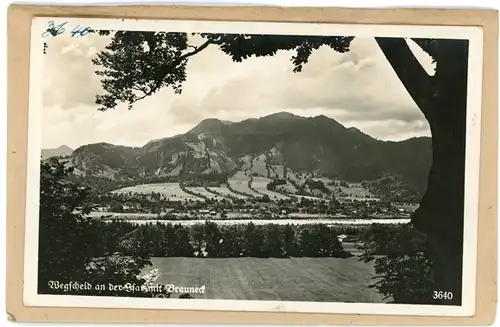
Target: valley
260,169
253,193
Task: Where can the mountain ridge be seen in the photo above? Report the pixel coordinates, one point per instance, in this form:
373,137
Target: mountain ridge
318,145
62,150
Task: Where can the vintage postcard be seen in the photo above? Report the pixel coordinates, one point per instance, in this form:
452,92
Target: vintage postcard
253,166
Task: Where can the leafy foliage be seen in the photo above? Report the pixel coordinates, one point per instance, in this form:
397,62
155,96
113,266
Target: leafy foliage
64,236
402,263
130,61
70,249
243,46
271,186
317,185
394,188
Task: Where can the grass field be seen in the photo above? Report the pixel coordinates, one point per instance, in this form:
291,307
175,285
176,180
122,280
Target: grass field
259,165
202,191
239,182
295,279
226,192
172,191
260,185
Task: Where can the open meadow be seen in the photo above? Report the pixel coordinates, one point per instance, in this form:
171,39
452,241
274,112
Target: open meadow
259,165
290,279
260,185
202,191
239,183
225,192
172,191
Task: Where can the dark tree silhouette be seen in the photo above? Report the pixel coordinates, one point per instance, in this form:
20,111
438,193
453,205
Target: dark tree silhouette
137,64
64,235
442,98
70,248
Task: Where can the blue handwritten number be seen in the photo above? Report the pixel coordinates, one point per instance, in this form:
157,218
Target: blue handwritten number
80,31
54,29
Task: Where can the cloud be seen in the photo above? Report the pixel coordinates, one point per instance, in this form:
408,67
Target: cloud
83,124
361,83
358,88
392,130
69,78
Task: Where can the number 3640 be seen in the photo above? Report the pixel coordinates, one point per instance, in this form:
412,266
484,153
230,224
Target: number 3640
441,295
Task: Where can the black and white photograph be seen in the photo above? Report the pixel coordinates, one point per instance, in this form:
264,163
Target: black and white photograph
253,166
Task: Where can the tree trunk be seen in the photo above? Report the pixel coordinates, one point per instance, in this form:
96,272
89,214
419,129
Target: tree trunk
442,98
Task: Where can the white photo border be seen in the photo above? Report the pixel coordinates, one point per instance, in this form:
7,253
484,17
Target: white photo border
473,129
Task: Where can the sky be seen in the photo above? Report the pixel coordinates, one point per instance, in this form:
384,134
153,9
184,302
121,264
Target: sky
358,89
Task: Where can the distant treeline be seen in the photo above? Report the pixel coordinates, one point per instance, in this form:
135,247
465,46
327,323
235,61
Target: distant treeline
218,241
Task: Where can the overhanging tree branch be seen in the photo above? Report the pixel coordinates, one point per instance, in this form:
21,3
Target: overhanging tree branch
128,64
411,73
171,65
195,51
